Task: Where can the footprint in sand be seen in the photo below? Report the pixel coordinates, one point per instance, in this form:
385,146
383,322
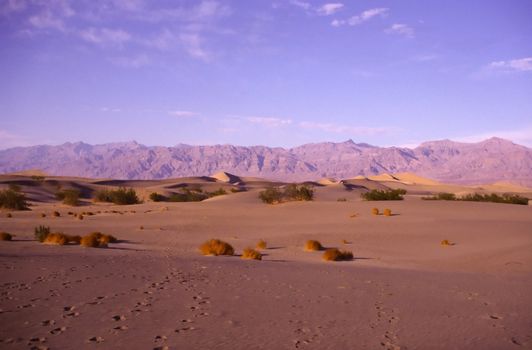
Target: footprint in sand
95,340
57,331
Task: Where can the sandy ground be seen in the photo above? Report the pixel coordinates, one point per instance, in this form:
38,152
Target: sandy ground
403,290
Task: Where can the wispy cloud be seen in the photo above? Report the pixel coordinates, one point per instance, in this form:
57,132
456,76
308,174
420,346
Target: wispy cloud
105,36
193,45
183,114
522,136
346,129
362,17
110,109
8,140
330,8
270,122
515,65
401,29
136,61
301,4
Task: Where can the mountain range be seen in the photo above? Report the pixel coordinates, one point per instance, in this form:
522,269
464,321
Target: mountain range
488,161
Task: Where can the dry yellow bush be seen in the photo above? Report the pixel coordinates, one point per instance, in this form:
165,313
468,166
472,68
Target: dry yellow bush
4,236
250,253
335,254
261,244
375,211
216,247
446,242
73,239
387,212
56,214
56,239
312,246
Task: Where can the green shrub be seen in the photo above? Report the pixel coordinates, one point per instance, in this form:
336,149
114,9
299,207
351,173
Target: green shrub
291,192
334,254
156,197
120,196
187,196
69,197
41,232
495,198
218,192
11,199
388,195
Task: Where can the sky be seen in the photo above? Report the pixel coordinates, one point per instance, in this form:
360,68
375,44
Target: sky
264,72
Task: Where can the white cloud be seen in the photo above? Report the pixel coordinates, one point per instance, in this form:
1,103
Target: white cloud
46,20
105,36
301,4
401,29
515,65
345,129
9,140
362,17
183,114
11,6
110,109
193,45
270,122
522,136
330,8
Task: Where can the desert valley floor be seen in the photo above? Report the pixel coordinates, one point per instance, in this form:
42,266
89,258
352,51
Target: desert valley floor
153,290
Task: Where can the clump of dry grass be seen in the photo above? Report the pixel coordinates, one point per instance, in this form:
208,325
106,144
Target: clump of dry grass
141,227
216,247
80,216
97,240
250,253
43,215
387,212
9,215
375,211
446,243
313,246
261,244
345,241
4,236
73,239
56,214
56,239
335,254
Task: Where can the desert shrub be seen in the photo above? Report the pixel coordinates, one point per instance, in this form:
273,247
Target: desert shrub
387,212
381,195
446,242
495,198
156,197
250,253
56,214
375,211
236,190
216,247
56,239
291,192
43,215
69,197
97,240
344,241
335,254
9,215
187,196
4,236
38,178
271,195
80,216
218,192
312,246
343,199
120,196
40,232
261,244
11,199
141,227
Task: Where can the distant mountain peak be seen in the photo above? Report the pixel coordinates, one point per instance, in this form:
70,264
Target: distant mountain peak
489,161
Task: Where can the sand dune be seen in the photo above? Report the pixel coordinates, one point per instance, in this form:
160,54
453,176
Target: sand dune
154,290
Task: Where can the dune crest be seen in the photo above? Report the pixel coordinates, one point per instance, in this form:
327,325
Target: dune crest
223,176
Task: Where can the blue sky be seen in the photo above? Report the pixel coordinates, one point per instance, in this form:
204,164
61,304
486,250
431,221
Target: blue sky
269,72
